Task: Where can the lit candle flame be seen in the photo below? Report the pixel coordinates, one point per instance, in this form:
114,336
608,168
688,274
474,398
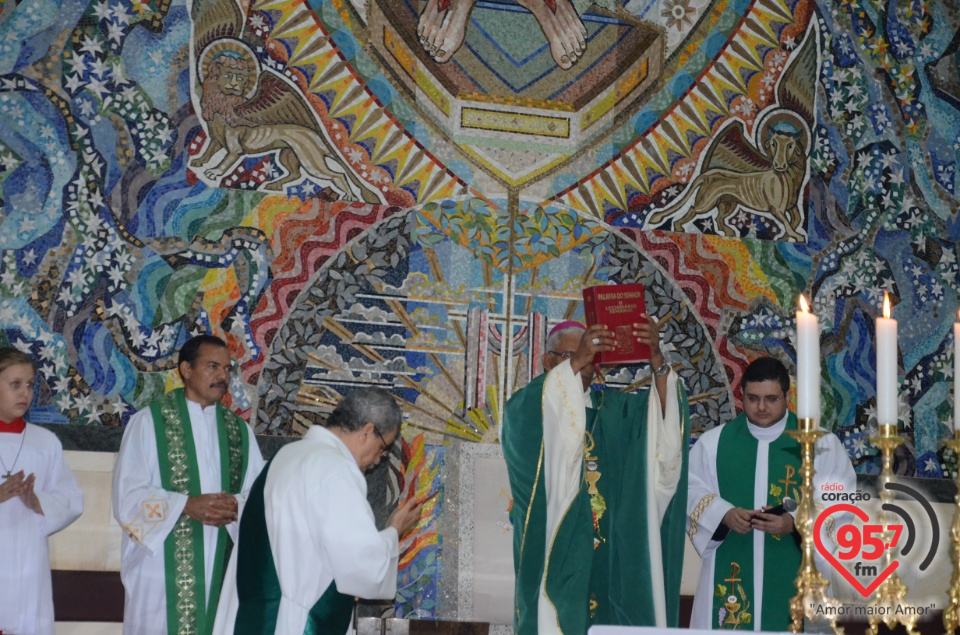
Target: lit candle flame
805,308
886,305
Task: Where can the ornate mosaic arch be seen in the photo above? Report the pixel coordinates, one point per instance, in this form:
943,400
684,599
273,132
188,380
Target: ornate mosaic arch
396,307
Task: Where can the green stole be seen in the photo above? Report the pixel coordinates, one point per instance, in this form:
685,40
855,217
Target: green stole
596,574
187,608
733,570
258,586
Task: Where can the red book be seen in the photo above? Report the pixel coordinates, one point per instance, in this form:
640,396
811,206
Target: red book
618,307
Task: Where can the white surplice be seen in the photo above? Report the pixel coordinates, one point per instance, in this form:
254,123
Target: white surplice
144,509
831,465
321,530
565,407
26,595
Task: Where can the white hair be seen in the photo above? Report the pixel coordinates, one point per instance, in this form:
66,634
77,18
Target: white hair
554,338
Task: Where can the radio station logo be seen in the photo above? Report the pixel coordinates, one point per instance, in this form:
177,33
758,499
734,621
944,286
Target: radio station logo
867,547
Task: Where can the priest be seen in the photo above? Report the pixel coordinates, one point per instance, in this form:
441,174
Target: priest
185,466
308,542
598,479
740,475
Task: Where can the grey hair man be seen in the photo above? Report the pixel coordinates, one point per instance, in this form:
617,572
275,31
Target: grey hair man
308,542
368,422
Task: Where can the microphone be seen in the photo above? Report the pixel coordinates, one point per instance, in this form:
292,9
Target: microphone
788,505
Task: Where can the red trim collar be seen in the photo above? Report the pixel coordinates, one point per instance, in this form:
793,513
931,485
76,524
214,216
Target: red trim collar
15,427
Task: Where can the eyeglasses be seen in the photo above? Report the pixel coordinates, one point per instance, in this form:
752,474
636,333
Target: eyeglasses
384,448
563,354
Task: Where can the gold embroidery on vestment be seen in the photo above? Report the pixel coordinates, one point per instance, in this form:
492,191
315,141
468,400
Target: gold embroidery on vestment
697,513
734,611
185,570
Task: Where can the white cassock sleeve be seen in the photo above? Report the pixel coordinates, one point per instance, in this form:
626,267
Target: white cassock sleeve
145,511
341,524
60,497
831,465
705,507
665,441
564,422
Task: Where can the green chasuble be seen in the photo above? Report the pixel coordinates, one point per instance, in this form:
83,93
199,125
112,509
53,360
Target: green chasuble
187,610
258,586
734,590
599,569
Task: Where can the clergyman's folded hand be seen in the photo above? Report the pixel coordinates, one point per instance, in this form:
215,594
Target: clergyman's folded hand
776,524
739,519
215,510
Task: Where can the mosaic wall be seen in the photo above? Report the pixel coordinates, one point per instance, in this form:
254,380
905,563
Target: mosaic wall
409,194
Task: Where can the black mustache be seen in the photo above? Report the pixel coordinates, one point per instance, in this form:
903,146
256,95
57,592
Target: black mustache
220,385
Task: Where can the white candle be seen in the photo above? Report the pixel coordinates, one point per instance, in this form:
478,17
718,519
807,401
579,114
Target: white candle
808,363
886,367
956,374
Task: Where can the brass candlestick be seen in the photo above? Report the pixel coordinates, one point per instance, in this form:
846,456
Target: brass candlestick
951,616
810,583
891,592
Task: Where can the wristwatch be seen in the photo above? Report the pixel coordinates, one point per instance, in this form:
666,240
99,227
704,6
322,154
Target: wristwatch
662,370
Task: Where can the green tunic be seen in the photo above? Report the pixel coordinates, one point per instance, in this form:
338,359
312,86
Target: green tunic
598,572
734,571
